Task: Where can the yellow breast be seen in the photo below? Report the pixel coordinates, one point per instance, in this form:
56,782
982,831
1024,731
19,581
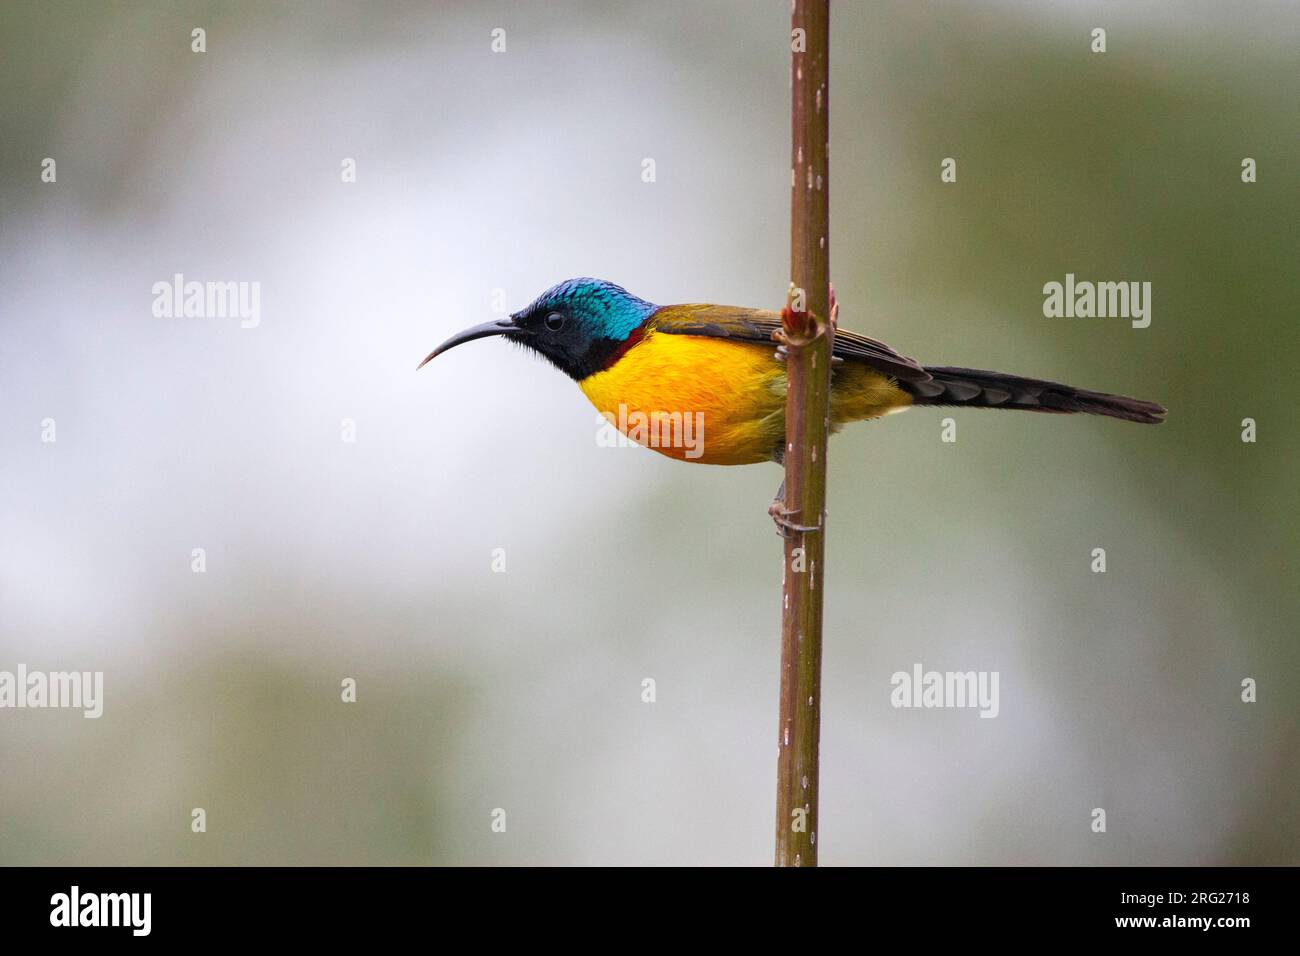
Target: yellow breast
718,401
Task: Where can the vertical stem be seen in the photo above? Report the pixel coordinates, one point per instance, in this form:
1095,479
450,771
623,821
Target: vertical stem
807,334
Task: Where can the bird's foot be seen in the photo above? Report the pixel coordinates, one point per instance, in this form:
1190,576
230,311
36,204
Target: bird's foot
779,334
785,527
781,516
782,353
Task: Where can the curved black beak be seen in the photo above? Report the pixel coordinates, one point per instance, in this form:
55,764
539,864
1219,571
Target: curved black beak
499,327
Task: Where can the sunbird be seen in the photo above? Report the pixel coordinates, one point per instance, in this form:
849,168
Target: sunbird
636,360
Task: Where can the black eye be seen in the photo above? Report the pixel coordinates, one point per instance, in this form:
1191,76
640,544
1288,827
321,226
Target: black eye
555,321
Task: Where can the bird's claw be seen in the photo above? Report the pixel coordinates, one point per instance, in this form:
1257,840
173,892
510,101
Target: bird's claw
782,353
781,518
779,333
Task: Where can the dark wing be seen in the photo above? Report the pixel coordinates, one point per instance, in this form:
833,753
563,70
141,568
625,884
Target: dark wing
757,325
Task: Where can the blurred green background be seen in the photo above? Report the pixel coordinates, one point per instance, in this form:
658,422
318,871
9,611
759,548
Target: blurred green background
522,690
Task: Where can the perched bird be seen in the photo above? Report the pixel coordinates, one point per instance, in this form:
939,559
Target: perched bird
636,360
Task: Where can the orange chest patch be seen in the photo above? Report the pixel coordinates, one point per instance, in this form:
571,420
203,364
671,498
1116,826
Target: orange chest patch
720,401
694,398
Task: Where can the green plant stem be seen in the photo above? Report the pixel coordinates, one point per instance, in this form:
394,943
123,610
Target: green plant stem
807,335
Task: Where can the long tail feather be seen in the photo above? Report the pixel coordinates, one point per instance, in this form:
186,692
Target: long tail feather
977,388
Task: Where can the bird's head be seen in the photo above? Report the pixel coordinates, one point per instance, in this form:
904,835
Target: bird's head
577,325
